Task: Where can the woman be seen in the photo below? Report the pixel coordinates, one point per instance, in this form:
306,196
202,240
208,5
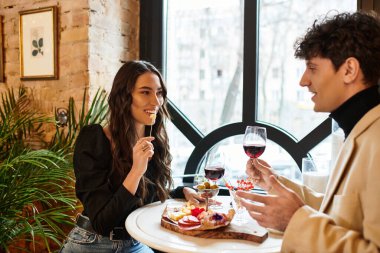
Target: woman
124,165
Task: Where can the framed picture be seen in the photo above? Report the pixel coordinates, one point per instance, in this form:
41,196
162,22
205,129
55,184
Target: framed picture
1,51
38,44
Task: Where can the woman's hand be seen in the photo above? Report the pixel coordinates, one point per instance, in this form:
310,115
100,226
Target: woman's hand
192,196
142,152
260,171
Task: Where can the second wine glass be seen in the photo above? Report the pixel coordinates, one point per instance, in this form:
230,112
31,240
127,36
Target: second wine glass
254,141
214,169
215,166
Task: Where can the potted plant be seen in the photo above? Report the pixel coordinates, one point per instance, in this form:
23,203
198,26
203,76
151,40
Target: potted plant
36,178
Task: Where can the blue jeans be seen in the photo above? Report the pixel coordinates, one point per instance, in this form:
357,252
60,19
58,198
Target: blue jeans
80,240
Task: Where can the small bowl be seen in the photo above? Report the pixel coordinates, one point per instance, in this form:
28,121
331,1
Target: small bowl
207,193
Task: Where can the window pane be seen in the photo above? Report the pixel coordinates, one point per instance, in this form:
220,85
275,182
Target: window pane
282,101
324,156
180,148
204,46
326,152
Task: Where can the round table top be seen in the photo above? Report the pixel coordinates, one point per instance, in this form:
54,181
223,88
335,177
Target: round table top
144,224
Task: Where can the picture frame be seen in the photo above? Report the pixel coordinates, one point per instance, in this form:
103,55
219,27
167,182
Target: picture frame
38,44
1,51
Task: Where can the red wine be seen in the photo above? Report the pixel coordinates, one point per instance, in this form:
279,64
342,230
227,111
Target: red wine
254,151
214,173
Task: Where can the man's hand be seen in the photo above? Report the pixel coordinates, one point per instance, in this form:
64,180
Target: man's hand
260,171
272,211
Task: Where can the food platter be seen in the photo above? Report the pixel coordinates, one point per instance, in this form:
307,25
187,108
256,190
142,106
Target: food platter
222,228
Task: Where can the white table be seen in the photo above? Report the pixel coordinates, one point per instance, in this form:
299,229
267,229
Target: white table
144,224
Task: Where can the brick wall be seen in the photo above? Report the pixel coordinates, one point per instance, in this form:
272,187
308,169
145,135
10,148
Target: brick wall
114,39
94,38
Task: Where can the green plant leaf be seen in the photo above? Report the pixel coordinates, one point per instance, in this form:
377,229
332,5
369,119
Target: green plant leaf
41,42
34,184
37,194
96,114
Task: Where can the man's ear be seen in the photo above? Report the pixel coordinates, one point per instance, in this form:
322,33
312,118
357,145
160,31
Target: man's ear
351,70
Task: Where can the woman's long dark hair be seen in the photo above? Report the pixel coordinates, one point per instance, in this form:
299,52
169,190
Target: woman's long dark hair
124,135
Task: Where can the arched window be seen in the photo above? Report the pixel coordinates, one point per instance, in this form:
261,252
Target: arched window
229,64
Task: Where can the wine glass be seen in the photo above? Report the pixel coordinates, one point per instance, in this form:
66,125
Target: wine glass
214,170
215,166
254,141
254,144
239,217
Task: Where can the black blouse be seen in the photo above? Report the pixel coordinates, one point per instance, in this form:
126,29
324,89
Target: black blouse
105,200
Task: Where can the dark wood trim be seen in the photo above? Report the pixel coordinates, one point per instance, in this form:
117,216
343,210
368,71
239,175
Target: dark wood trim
368,5
151,32
250,62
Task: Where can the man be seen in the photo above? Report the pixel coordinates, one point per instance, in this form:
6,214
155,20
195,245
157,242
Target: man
342,72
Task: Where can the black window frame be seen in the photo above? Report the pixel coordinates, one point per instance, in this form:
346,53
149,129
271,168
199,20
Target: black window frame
152,49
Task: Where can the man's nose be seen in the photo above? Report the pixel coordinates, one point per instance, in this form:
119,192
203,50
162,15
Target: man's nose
305,80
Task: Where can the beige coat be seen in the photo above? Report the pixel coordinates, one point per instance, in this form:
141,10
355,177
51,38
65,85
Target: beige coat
348,219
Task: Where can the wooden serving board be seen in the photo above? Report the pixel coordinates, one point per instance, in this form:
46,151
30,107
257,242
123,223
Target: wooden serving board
249,231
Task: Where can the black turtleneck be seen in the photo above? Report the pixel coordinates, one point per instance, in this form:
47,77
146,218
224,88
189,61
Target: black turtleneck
351,111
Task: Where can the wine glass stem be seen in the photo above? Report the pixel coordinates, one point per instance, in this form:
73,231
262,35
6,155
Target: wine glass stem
206,204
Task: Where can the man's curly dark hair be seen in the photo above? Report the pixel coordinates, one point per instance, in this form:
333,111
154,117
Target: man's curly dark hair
342,36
